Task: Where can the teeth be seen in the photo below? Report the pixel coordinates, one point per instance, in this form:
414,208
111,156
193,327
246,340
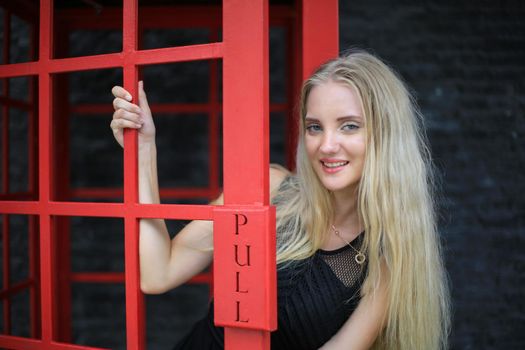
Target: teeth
334,164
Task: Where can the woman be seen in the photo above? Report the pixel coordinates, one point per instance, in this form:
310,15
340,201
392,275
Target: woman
359,261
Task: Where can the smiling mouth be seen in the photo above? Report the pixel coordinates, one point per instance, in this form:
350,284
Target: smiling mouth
332,165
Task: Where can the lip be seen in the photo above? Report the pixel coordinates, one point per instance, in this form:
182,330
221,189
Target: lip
332,161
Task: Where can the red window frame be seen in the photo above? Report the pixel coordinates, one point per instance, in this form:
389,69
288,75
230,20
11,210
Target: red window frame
245,82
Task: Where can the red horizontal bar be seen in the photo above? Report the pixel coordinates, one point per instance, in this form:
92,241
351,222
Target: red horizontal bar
174,211
104,61
118,277
9,102
19,343
86,209
179,54
62,208
166,211
201,278
98,277
192,192
19,69
12,207
113,60
97,193
145,57
63,346
15,288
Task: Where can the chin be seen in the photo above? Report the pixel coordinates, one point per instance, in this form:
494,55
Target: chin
339,186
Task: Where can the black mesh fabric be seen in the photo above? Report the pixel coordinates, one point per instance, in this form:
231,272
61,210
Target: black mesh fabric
315,297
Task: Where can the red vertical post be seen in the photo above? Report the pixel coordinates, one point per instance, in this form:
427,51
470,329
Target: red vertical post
213,137
34,275
246,134
213,118
5,108
294,83
46,173
320,33
134,298
314,38
245,101
6,267
61,181
5,176
34,251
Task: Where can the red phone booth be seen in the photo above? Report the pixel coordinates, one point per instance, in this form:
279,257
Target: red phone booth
244,255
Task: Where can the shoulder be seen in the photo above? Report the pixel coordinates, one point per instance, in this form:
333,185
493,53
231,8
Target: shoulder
277,174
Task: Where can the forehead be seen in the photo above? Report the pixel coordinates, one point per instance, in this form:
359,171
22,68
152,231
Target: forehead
333,98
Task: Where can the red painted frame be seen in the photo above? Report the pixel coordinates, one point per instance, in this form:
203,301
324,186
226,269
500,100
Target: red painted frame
314,39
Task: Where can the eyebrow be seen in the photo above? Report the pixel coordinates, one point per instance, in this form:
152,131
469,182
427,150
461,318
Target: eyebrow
344,118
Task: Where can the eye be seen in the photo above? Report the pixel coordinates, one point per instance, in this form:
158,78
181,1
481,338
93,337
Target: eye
313,128
350,127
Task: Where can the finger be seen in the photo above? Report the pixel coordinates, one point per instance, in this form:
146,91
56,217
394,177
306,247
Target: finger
118,125
123,114
119,103
119,91
143,100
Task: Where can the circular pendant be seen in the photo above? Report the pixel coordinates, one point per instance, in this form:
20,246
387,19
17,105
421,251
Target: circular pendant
360,258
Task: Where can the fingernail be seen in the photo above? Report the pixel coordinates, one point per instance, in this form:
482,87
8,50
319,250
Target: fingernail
128,97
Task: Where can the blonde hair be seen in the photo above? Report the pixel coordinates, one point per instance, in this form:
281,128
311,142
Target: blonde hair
394,202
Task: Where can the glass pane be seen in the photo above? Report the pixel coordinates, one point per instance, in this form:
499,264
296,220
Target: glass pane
20,41
102,238
18,151
99,315
94,42
277,138
182,143
278,65
186,82
158,38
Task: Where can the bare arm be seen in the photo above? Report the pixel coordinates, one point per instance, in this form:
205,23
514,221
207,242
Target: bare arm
167,263
164,263
364,325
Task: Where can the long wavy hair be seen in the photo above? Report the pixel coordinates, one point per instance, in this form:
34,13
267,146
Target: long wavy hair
395,203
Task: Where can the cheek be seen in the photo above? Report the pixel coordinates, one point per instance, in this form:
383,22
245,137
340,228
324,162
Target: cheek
359,148
310,146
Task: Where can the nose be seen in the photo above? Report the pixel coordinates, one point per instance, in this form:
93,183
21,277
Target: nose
329,143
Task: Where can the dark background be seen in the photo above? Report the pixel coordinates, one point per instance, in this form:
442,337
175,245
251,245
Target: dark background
464,61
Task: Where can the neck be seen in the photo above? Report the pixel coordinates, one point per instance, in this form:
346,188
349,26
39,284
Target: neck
346,215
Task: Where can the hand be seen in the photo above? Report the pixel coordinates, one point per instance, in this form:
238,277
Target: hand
129,115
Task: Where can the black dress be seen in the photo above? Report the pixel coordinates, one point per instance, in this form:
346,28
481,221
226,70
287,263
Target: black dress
315,297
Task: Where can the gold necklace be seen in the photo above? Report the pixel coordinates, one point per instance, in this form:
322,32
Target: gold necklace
360,257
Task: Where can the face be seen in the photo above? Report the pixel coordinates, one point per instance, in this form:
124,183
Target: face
335,136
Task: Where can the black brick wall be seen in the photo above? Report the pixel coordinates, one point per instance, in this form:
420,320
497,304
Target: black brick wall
464,61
